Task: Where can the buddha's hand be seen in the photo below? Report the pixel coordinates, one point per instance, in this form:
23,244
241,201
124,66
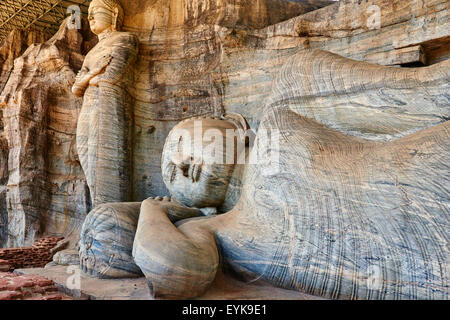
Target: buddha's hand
179,263
101,65
99,69
90,77
173,209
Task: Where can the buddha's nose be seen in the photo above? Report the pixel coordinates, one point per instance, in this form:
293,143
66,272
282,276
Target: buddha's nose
183,162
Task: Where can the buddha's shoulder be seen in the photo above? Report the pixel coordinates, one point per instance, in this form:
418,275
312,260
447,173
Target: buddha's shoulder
121,37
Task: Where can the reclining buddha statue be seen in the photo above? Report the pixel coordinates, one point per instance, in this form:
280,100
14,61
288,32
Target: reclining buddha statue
355,205
199,187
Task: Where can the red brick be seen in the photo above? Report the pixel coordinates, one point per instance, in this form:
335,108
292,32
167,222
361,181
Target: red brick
38,289
56,296
42,282
10,295
35,298
16,284
50,289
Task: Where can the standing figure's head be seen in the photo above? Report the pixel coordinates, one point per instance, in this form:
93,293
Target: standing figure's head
199,158
105,15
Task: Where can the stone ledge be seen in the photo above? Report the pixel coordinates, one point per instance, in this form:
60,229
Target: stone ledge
224,287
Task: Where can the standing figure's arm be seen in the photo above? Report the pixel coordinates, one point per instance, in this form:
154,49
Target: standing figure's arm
124,54
110,68
85,75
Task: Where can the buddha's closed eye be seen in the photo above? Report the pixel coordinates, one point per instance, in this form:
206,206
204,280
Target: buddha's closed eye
173,172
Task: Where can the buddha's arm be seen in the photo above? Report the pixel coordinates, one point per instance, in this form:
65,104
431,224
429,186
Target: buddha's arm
124,55
177,262
81,82
112,67
85,75
174,210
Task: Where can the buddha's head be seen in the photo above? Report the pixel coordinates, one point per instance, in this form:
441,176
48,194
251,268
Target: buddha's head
105,15
199,158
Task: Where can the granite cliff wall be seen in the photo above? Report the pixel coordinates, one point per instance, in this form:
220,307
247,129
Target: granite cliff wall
196,57
45,189
198,62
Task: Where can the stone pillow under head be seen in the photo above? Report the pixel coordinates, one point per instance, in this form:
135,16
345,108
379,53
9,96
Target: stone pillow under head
107,239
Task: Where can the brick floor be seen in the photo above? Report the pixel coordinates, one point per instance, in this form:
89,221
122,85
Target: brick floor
28,287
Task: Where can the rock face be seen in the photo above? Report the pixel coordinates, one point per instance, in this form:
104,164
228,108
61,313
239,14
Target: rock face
46,189
3,182
204,62
332,214
202,57
11,48
179,46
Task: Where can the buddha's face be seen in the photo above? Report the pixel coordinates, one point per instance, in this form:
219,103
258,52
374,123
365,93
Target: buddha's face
194,178
100,17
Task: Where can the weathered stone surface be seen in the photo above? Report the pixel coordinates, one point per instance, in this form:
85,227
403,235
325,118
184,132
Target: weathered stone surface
104,130
224,287
252,59
210,57
46,189
178,48
13,47
3,182
344,118
145,16
181,45
361,99
107,241
334,215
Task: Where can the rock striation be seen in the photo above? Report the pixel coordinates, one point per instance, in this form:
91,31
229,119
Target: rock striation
46,192
333,214
203,58
13,47
10,49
